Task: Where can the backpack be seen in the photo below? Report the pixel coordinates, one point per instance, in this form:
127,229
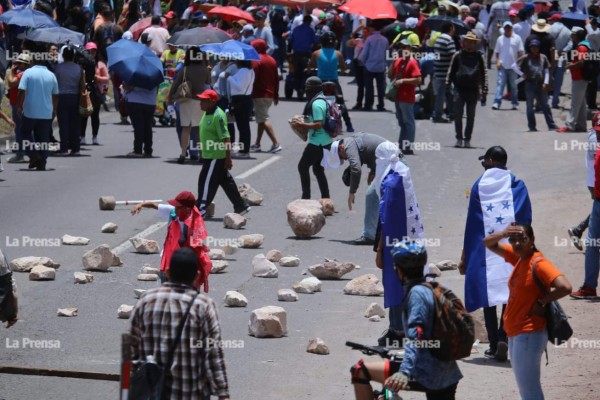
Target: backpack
108,34
591,68
278,24
453,327
467,77
333,116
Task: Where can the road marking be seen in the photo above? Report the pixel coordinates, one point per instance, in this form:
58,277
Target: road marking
142,235
257,168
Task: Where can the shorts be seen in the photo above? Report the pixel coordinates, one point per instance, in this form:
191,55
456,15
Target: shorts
261,109
190,113
391,367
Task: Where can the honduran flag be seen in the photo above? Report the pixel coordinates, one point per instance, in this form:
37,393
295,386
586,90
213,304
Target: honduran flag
400,218
497,199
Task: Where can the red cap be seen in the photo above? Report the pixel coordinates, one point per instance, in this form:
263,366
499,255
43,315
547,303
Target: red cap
183,199
555,17
596,121
513,13
208,94
170,14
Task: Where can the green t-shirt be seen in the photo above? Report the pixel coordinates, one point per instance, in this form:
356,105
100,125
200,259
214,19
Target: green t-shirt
318,137
213,132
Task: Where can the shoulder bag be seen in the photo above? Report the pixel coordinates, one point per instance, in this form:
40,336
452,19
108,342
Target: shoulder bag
391,91
184,90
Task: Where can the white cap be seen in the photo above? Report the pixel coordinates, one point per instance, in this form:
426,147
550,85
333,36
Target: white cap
411,23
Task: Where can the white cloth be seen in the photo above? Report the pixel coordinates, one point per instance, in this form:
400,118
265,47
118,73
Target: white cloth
241,83
387,158
331,158
508,49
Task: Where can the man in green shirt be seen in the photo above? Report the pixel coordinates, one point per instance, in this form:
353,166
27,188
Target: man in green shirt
216,150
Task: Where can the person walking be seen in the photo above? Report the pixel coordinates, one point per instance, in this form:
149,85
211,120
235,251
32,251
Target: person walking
509,48
562,43
373,57
239,87
302,40
525,316
264,32
469,75
71,83
97,89
444,50
13,77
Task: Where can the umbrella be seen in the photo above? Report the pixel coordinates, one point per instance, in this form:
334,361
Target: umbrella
56,35
139,27
435,23
27,17
392,30
230,14
232,50
198,37
135,63
540,5
373,9
572,19
404,10
308,4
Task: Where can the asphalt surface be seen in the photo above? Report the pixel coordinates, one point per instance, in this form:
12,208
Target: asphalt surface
64,200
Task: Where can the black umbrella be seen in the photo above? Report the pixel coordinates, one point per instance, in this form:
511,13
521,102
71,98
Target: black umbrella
199,37
405,10
392,30
435,23
572,19
56,35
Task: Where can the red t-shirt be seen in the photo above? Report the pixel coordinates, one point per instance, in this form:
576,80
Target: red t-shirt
266,81
13,93
406,69
577,73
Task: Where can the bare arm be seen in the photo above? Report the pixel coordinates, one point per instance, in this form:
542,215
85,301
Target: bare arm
147,204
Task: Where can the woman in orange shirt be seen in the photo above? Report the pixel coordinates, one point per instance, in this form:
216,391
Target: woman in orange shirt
524,318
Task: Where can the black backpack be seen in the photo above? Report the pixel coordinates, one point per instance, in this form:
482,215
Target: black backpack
591,67
467,77
278,24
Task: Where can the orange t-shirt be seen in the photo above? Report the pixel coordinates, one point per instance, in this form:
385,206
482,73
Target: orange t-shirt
524,292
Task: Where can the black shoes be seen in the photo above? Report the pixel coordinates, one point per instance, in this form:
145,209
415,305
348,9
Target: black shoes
392,339
364,241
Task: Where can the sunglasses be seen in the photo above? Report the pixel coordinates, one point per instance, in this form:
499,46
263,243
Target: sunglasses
519,239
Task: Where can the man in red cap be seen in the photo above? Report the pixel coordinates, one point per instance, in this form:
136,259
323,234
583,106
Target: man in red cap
215,143
186,229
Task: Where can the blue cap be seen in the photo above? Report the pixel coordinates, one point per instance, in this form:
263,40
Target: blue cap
535,43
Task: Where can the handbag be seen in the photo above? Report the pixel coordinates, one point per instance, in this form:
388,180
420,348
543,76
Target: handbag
557,322
147,380
184,90
391,91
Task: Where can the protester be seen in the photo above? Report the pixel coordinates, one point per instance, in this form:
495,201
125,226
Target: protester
71,83
240,86
373,57
444,50
498,15
130,14
99,89
264,32
592,27
159,35
198,371
13,77
8,294
140,104
106,32
193,10
357,43
509,48
562,42
173,25
525,316
247,34
302,40
577,119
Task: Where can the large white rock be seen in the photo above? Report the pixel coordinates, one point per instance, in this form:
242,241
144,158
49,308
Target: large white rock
308,286
235,299
145,246
328,207
139,292
98,259
216,254
82,277
124,311
289,261
75,240
375,309
234,221
218,266
253,241
41,273
287,295
147,277
229,249
116,261
263,268
270,321
317,346
67,312
150,270
251,196
365,285
109,227
447,265
25,264
331,269
274,255
305,217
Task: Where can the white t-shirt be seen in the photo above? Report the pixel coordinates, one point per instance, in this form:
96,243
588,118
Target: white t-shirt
164,212
523,29
159,36
508,49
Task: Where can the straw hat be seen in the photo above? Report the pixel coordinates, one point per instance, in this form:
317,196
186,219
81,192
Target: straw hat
471,36
540,26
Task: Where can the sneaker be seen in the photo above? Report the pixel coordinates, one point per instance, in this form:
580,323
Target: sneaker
356,107
459,143
41,166
467,144
276,148
244,211
133,154
363,241
255,148
532,130
501,352
124,121
181,160
495,106
61,153
441,120
391,339
16,160
95,141
381,108
575,238
584,293
563,129
74,154
82,141
515,108
349,129
241,155
490,353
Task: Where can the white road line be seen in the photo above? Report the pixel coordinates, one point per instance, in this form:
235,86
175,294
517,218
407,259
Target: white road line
257,168
143,234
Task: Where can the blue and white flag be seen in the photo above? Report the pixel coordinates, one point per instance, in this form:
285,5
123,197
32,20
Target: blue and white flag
497,199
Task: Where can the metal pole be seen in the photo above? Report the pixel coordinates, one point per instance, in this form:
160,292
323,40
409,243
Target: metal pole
62,373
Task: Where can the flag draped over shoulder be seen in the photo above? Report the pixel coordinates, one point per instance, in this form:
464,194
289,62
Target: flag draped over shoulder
497,199
400,218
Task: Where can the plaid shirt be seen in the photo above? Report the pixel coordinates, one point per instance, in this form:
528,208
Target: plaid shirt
198,367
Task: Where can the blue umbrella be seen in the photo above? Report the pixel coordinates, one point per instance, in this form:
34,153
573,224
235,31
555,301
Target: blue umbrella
572,19
56,35
26,17
135,63
231,50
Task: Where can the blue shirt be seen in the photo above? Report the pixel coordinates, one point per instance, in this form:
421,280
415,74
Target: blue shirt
142,96
374,52
327,65
39,85
303,37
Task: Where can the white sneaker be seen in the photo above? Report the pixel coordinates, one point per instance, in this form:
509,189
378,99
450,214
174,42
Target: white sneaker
82,141
276,148
255,148
95,141
496,106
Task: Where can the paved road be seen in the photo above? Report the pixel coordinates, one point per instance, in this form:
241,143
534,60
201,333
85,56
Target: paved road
46,205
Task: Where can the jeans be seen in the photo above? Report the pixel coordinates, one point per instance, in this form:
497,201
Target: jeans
405,113
495,333
312,156
592,248
506,76
462,99
577,119
242,107
19,131
371,212
40,130
370,90
534,91
141,116
439,90
559,75
395,314
359,75
525,352
69,122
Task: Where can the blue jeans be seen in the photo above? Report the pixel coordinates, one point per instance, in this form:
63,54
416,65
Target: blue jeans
559,75
525,352
371,212
18,131
405,113
592,248
506,76
534,91
439,90
40,130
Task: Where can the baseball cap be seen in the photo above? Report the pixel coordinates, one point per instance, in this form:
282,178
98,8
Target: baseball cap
596,121
495,153
576,29
208,94
183,199
331,158
513,13
247,28
90,46
507,23
535,43
170,15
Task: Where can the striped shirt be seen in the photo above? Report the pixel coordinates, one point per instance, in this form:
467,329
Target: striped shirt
198,367
444,49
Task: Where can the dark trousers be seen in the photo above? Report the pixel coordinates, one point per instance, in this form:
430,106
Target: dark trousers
359,75
281,52
462,99
242,107
96,103
590,94
40,130
448,393
534,92
213,175
69,122
300,61
311,157
223,104
141,116
370,91
495,333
